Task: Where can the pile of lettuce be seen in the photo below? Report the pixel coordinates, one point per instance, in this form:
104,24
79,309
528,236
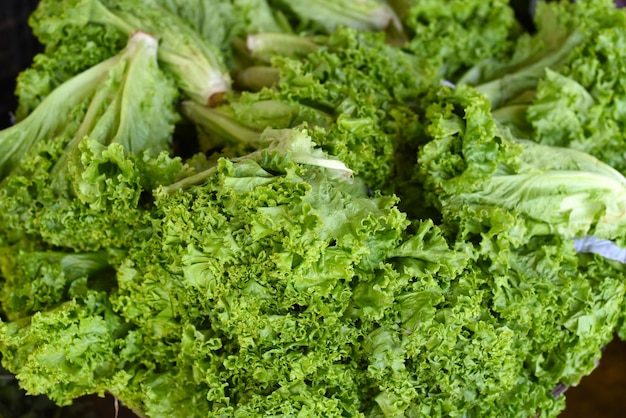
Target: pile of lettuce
257,208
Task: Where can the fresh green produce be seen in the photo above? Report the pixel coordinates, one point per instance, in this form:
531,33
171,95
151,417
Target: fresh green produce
475,344
329,14
514,206
262,47
562,86
472,167
62,61
200,41
38,279
50,118
374,220
80,184
363,116
83,45
14,403
563,28
589,95
291,261
221,22
197,67
459,34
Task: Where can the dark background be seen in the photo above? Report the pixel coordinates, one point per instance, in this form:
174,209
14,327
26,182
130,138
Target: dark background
17,48
602,394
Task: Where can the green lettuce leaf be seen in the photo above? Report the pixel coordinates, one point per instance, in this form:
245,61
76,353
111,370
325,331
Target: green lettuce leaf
329,15
363,117
472,167
563,29
268,250
90,187
197,67
458,34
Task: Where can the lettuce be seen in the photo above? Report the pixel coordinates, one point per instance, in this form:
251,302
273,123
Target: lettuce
361,15
563,30
291,268
346,234
457,35
588,101
79,184
472,166
363,117
197,67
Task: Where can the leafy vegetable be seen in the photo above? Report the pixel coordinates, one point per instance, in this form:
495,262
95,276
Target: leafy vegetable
264,46
79,50
588,98
305,261
458,34
362,116
563,29
471,166
351,230
197,67
81,188
44,277
362,14
48,120
476,175
221,22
